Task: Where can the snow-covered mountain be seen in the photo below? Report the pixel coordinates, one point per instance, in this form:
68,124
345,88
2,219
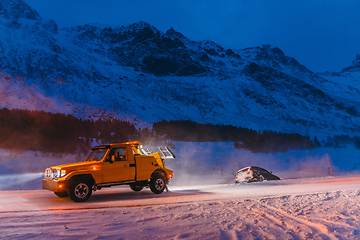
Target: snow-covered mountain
139,73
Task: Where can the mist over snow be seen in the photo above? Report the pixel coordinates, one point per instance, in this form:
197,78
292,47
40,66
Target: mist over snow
195,164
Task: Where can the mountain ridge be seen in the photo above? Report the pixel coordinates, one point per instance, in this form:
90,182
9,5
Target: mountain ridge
139,73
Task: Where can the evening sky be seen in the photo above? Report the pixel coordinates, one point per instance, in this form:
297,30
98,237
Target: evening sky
324,35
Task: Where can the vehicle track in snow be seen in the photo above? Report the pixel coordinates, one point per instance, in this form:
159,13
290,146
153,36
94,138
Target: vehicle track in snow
291,222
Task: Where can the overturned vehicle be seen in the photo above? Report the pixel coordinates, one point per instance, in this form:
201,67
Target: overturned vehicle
254,174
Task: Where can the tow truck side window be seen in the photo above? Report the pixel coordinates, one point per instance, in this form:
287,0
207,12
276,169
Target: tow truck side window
118,154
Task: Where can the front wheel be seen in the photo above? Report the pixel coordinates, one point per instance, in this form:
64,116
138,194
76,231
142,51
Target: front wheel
157,184
80,191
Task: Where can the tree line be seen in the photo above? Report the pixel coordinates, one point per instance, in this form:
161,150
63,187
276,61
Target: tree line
339,141
56,132
63,133
243,138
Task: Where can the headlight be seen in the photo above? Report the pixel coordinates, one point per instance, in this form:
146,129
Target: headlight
54,173
57,173
48,173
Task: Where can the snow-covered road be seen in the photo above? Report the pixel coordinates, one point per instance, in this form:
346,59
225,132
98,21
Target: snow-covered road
116,197
202,202
317,208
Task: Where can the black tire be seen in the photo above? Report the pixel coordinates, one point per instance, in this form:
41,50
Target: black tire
61,194
136,187
80,191
157,184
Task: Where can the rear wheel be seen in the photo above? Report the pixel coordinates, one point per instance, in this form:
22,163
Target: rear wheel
157,184
80,191
61,194
136,187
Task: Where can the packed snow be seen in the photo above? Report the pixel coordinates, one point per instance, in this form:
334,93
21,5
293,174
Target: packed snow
203,201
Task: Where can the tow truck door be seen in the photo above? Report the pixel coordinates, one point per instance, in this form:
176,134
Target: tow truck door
116,167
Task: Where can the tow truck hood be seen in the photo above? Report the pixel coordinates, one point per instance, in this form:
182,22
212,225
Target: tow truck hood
76,165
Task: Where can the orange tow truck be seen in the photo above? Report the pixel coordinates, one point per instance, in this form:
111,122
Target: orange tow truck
110,165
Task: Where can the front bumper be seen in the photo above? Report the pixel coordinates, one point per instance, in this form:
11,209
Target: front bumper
55,186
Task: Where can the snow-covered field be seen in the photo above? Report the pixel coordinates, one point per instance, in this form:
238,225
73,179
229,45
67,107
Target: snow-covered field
203,202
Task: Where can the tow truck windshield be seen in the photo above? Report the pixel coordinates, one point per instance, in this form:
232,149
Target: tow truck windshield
96,154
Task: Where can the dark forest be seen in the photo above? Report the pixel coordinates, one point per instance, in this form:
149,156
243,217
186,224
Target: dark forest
55,132
243,138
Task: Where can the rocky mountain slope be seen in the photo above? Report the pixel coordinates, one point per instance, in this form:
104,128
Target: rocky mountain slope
139,73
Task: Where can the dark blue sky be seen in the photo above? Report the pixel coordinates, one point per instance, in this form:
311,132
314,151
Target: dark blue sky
324,35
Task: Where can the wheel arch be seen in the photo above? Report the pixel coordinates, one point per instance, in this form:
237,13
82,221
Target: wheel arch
162,173
82,177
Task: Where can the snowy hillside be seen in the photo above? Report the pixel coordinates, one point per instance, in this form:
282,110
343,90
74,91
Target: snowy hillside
139,73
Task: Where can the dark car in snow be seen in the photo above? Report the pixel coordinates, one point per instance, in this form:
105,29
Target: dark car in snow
254,174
